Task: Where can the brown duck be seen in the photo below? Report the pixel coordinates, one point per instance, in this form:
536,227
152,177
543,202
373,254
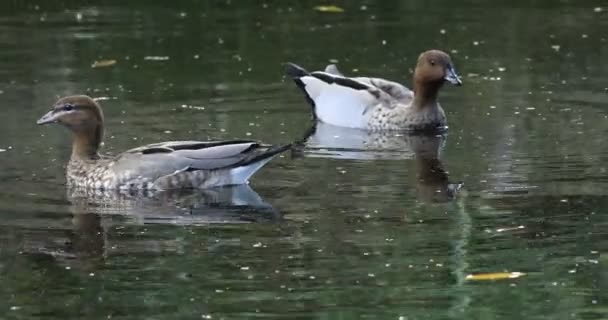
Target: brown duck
160,166
376,104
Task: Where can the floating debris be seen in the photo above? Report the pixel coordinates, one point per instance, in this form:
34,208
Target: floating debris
329,9
510,229
185,106
103,63
156,58
494,276
2,150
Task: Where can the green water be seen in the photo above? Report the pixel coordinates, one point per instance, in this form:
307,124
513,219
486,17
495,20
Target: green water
321,234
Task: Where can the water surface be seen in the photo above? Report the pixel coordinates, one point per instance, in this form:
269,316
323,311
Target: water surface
321,233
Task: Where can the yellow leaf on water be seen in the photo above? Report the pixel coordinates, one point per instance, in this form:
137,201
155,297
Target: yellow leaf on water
103,63
330,9
495,276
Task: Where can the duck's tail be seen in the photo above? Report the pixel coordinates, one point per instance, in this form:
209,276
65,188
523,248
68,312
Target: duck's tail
297,73
243,170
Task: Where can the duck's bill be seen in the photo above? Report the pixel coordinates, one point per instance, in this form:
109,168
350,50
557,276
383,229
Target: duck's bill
49,117
452,76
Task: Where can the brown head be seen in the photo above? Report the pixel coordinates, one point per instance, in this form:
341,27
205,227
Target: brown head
83,116
434,67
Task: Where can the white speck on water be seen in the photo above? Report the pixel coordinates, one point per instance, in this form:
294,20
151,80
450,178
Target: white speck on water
2,150
442,31
196,56
91,274
168,131
572,271
219,290
593,261
584,36
156,58
371,275
311,277
475,43
220,41
492,107
248,133
597,9
556,47
502,69
15,308
387,265
78,16
383,42
206,316
244,268
257,244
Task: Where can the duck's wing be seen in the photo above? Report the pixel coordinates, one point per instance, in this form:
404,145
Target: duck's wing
207,155
396,90
240,158
336,99
333,69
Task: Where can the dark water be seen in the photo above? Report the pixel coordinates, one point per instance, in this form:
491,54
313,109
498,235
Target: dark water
321,233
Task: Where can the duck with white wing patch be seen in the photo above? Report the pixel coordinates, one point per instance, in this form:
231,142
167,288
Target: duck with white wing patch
377,104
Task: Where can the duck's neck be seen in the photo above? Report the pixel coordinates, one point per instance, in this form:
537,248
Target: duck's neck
85,145
425,94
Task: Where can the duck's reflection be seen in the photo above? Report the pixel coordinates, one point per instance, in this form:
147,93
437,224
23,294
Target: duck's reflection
103,223
328,141
237,204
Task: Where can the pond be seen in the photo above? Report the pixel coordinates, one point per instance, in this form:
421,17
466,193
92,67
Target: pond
518,185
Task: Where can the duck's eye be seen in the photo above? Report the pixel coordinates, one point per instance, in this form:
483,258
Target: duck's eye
432,62
68,107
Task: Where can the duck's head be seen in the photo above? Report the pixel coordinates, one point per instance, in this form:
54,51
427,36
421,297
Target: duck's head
83,116
434,68
78,113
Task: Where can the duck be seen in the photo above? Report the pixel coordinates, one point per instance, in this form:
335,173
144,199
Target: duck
158,166
376,104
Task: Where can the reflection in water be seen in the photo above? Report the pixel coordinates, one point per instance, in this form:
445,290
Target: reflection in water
328,141
97,214
237,204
